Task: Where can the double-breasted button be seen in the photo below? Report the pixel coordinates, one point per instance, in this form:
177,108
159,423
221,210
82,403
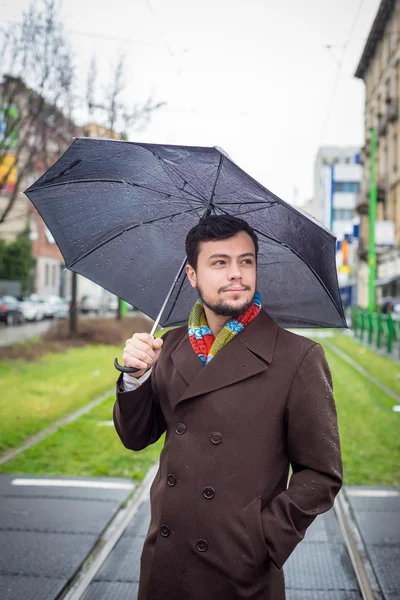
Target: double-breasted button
180,428
171,480
201,545
165,530
216,437
208,492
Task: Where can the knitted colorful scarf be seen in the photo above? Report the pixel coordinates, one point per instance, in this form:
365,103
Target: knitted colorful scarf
204,343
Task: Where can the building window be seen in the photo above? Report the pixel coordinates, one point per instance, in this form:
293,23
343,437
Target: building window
54,275
347,186
343,214
47,274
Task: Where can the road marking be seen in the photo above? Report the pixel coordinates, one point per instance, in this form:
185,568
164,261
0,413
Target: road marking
78,483
363,371
373,493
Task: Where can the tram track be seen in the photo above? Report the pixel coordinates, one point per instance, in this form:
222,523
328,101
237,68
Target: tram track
362,566
368,586
79,584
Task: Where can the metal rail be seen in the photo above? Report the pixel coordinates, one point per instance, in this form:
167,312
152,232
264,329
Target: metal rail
94,561
363,569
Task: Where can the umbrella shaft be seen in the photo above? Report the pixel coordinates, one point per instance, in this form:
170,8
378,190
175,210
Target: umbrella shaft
156,322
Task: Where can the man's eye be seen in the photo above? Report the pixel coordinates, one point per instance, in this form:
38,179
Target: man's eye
219,262
248,261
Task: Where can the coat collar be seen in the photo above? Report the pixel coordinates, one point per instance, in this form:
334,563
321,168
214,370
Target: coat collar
238,360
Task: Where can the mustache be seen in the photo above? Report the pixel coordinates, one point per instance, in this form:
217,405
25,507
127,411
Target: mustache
226,287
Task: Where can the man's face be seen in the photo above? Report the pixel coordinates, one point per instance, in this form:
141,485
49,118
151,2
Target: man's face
225,277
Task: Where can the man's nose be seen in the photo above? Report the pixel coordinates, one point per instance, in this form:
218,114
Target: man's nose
234,272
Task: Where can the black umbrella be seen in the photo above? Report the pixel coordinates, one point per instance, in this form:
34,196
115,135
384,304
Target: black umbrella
120,212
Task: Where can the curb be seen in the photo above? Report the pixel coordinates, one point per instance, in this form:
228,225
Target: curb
107,540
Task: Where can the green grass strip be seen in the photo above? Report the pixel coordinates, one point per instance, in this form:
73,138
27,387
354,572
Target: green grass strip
85,448
35,394
382,368
369,429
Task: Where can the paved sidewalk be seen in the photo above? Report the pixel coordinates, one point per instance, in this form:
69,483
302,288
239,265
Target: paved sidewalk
46,532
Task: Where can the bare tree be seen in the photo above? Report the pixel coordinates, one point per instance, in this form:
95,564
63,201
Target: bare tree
36,94
109,115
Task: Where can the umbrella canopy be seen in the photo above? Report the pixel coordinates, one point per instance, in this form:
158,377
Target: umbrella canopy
120,212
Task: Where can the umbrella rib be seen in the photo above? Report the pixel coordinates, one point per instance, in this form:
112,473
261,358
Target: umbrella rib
210,201
184,180
144,187
175,171
113,237
301,258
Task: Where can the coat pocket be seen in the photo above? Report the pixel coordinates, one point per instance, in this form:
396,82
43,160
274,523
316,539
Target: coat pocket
252,515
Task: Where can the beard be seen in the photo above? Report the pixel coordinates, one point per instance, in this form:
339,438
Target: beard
223,309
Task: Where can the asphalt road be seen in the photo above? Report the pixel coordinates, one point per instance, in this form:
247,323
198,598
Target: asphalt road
20,333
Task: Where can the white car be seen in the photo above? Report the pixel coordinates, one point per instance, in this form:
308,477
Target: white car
33,308
55,307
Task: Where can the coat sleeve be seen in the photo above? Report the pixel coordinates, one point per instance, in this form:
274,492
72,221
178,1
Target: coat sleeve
137,414
314,453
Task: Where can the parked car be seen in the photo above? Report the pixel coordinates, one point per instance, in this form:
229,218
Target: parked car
33,308
10,311
91,304
55,307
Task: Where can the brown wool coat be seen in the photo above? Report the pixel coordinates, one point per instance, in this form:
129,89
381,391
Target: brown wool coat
223,519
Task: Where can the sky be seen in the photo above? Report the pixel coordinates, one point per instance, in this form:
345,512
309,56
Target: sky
268,81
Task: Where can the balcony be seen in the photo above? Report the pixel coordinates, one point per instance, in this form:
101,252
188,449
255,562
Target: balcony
381,192
393,111
382,126
362,205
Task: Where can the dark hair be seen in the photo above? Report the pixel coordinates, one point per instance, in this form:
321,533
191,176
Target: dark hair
212,228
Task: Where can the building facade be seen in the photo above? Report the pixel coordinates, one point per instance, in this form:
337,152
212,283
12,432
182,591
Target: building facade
337,184
33,135
379,68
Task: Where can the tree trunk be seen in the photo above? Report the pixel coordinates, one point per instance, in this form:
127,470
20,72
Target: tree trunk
73,315
119,310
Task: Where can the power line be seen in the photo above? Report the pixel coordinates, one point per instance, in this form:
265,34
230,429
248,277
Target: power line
113,38
339,70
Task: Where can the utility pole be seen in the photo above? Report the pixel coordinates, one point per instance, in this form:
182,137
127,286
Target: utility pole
372,220
332,187
73,319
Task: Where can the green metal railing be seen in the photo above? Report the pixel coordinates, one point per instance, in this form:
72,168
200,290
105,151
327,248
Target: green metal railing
377,329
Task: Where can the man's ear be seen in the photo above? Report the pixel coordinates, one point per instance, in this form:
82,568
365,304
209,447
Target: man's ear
191,275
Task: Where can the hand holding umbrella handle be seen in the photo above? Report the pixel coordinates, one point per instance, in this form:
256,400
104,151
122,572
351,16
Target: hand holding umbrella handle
124,369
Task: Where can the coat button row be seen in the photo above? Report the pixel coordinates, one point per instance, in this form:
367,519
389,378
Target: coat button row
208,492
171,480
165,530
202,545
216,437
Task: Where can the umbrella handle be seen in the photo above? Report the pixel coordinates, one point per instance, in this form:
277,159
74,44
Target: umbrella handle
124,369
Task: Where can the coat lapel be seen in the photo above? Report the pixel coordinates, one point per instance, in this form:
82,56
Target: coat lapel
246,355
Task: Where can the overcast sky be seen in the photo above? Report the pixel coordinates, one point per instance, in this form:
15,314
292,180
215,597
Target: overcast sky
252,76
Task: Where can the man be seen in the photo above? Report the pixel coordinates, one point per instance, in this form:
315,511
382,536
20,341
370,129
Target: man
240,399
